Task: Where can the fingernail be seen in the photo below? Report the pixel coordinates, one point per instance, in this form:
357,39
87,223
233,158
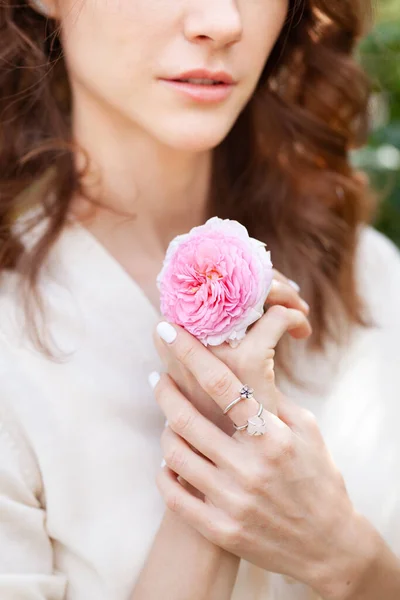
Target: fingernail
153,379
166,424
163,463
166,332
305,305
294,285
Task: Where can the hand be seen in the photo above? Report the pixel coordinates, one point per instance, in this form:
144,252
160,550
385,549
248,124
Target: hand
276,500
284,293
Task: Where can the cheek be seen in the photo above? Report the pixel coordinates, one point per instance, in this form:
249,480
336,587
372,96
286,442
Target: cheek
135,10
106,42
264,20
124,20
113,30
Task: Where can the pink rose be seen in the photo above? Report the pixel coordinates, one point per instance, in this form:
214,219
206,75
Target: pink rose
215,281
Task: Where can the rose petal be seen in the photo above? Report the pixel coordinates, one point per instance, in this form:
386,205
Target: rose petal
215,280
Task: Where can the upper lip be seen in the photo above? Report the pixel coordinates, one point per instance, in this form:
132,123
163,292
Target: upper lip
220,76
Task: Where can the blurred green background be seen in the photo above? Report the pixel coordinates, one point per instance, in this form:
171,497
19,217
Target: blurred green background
380,55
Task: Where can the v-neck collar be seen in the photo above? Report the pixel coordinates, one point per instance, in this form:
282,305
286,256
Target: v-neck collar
87,247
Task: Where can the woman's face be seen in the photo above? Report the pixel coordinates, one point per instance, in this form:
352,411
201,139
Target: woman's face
119,53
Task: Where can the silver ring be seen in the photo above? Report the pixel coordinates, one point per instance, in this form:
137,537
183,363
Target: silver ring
255,425
245,393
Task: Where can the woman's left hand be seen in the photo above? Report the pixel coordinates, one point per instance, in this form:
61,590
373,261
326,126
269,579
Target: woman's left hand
276,500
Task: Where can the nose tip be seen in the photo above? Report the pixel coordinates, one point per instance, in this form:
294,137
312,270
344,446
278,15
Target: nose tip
220,29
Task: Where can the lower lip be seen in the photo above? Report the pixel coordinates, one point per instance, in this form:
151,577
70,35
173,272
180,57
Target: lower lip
201,93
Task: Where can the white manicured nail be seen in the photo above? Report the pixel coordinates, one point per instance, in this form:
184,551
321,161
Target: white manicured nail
166,332
166,424
294,285
153,379
306,306
163,463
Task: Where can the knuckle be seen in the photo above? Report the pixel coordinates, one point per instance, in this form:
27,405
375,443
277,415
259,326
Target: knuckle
186,353
287,447
182,422
274,289
269,354
173,502
259,357
279,312
284,449
232,535
253,480
219,384
214,530
269,372
309,420
242,509
175,458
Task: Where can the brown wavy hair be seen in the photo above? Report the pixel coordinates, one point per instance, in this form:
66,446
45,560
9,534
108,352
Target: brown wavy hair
283,170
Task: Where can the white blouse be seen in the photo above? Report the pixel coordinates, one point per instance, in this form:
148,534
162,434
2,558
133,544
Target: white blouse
79,438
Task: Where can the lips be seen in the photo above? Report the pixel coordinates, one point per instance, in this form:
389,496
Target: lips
202,86
195,81
204,77
200,93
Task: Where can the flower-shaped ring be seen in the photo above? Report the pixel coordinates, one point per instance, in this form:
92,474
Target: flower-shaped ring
255,425
245,393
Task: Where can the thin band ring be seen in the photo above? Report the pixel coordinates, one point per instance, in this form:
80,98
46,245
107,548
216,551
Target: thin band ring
245,393
243,427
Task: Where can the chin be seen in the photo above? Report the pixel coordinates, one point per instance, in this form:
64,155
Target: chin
201,143
195,138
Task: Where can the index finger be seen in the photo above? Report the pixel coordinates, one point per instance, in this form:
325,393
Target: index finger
213,375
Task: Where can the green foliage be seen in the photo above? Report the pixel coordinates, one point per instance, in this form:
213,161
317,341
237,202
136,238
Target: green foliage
380,55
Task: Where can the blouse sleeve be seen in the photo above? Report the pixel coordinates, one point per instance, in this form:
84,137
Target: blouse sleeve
26,555
375,415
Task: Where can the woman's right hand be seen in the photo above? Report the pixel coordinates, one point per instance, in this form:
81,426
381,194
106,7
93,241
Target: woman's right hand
284,293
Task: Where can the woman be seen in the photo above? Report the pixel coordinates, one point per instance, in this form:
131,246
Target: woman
126,85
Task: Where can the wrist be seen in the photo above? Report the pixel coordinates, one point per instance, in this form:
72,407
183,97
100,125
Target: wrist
357,551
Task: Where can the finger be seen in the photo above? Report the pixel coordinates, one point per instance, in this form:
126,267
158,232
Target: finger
258,349
258,368
268,330
185,420
300,420
194,468
280,439
280,277
179,500
214,376
284,294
